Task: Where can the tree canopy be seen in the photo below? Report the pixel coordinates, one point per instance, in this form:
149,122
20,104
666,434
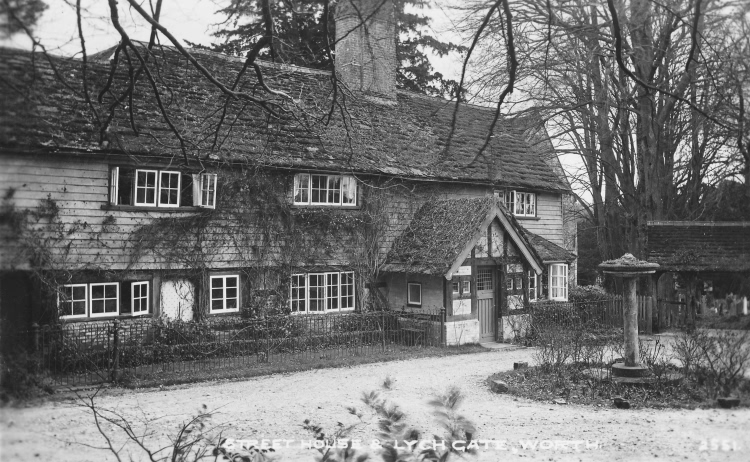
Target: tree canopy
300,30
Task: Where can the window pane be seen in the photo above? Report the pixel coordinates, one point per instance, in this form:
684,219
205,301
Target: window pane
110,291
231,303
110,306
97,291
217,282
302,191
319,189
79,292
79,308
334,189
415,294
217,305
231,281
232,292
97,306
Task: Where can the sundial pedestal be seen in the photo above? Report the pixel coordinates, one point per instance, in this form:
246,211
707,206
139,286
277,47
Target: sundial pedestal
629,269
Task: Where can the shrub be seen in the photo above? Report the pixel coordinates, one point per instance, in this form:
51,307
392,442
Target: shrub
587,294
715,361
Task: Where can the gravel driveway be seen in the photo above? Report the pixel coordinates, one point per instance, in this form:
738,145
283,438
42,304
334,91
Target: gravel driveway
273,407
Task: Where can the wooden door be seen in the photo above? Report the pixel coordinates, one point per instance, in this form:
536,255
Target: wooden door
486,304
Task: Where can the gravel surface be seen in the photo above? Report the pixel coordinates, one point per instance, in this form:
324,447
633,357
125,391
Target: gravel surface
274,407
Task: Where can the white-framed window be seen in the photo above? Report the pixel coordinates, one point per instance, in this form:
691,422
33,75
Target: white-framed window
145,187
558,281
298,295
225,294
456,287
104,299
335,190
139,298
72,301
169,189
208,190
414,294
466,289
347,290
532,286
322,292
520,204
130,186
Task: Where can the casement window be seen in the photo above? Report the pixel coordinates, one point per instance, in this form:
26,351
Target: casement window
104,299
169,189
520,204
145,187
456,288
414,294
72,301
161,188
466,288
225,294
532,286
334,190
558,281
322,292
207,196
139,298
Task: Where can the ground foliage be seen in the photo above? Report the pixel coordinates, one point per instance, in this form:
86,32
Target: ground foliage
711,363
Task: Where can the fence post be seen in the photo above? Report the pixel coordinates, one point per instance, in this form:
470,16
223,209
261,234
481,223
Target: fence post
442,327
115,349
649,315
35,338
383,328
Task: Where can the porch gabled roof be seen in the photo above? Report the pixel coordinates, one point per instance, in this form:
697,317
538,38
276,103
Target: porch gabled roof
548,251
443,232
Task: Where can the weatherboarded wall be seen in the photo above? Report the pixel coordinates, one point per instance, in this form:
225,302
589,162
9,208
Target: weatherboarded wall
90,235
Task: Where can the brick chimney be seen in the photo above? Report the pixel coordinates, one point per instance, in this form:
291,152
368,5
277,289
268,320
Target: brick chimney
366,52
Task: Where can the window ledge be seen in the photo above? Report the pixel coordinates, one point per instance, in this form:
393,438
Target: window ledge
138,208
327,207
121,317
526,218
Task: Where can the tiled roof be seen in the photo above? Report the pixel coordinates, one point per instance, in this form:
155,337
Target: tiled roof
439,232
700,246
548,251
405,137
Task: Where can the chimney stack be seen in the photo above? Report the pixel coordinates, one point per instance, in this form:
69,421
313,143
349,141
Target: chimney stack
366,45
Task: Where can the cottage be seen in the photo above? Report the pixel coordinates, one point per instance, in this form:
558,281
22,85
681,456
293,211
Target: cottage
386,204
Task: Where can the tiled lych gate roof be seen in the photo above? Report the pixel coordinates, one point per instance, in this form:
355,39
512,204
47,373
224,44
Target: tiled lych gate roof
699,246
440,231
404,138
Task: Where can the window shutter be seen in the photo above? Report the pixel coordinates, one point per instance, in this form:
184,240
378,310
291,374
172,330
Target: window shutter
114,176
197,190
125,297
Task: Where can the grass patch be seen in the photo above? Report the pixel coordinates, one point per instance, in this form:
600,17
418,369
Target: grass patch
325,360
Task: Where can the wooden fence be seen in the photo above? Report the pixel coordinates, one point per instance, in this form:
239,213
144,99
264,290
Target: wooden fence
608,312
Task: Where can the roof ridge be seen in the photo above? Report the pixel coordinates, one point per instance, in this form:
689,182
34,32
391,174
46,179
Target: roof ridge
739,224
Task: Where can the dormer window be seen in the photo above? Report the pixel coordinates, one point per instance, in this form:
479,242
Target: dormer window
520,204
161,188
326,190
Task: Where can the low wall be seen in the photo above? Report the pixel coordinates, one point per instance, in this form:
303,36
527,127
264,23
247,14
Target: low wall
513,325
461,332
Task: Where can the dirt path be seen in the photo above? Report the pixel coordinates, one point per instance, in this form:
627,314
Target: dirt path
273,407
